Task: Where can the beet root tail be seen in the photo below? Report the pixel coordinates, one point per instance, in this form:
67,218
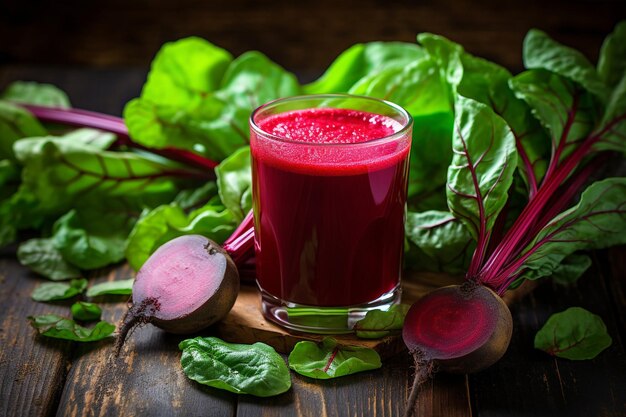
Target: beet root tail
137,315
424,369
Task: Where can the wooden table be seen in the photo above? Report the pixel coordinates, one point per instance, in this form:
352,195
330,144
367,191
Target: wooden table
40,376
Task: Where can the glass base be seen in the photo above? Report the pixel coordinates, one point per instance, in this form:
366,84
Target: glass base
322,320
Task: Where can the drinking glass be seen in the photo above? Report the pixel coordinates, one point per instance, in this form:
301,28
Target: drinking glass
328,214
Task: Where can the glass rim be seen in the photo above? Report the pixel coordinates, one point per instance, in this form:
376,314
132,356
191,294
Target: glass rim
389,138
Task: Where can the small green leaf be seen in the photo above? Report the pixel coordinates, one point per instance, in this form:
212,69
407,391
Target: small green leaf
86,311
234,181
51,291
36,93
51,325
243,369
44,258
379,323
328,359
574,334
120,287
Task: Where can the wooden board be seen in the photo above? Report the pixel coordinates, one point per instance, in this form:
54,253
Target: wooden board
246,324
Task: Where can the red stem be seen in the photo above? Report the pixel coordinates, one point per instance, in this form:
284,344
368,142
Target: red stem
566,193
530,172
510,242
84,118
240,245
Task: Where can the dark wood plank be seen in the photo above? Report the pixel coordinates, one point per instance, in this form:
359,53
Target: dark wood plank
146,379
529,382
376,393
32,368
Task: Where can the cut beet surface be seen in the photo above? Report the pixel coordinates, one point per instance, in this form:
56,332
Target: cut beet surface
186,285
459,329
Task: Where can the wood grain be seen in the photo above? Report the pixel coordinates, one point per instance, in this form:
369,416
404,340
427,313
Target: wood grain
32,368
146,379
558,387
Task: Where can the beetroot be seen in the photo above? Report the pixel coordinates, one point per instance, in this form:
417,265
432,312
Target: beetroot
459,328
186,285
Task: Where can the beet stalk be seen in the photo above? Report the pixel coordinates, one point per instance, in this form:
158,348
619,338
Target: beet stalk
84,118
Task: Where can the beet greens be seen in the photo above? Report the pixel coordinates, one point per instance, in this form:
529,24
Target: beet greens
581,113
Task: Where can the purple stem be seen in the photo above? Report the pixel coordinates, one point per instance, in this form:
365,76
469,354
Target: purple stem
511,242
240,245
84,118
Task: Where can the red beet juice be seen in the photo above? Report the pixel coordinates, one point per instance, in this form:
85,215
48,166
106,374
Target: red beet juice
329,191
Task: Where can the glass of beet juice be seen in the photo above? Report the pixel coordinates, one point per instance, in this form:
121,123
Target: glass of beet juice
330,177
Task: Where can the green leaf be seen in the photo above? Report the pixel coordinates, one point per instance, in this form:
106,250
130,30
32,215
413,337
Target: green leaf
51,325
16,123
61,171
567,112
571,268
428,170
379,323
542,52
86,311
91,241
574,334
183,71
447,55
119,287
167,222
44,258
36,93
178,96
444,240
19,211
565,273
482,167
328,359
196,197
9,173
612,61
252,80
51,291
612,129
363,60
415,86
488,83
234,182
243,369
597,221
197,98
